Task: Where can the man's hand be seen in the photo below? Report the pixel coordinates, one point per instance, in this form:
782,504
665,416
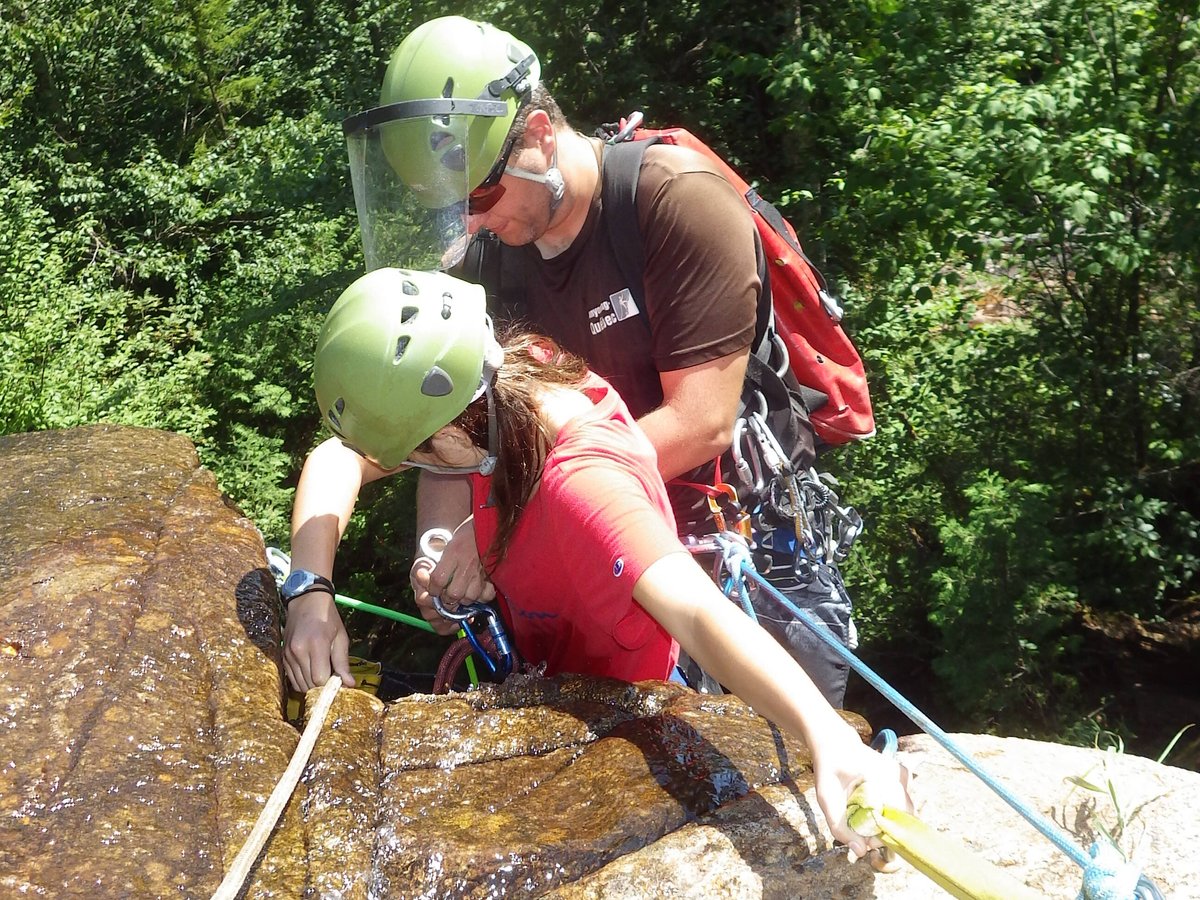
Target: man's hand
458,579
315,643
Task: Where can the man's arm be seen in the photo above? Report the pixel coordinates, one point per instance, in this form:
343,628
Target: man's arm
695,422
444,501
702,289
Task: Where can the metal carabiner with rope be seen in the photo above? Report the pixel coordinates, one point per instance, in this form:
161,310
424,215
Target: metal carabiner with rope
433,544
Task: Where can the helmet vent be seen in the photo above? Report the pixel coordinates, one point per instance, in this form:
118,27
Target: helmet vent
437,383
410,289
447,91
407,314
335,412
446,310
401,346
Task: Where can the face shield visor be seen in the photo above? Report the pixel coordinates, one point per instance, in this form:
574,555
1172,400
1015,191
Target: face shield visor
414,165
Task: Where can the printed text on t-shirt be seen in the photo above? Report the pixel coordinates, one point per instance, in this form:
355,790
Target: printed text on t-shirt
617,308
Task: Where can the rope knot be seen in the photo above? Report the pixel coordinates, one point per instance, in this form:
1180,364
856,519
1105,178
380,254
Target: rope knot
737,562
1109,876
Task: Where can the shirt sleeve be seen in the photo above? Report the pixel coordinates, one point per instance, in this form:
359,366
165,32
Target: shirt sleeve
701,274
603,508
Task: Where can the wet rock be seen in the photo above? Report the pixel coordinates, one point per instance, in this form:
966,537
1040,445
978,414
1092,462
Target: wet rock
591,770
139,680
142,730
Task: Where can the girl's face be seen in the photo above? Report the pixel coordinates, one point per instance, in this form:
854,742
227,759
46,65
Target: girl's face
449,447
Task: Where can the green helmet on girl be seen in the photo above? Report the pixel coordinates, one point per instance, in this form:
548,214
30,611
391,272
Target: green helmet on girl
401,354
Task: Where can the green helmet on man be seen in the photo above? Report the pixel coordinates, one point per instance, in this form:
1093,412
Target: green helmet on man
450,95
401,354
453,57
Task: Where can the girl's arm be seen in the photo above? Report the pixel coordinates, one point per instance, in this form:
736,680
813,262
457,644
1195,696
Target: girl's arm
740,655
315,643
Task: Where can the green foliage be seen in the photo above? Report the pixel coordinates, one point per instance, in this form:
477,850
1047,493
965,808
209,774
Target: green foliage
999,606
1021,168
1007,193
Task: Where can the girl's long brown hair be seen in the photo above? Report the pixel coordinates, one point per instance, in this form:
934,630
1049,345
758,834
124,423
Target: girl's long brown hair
531,361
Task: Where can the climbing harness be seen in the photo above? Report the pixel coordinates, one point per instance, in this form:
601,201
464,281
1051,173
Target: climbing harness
1102,876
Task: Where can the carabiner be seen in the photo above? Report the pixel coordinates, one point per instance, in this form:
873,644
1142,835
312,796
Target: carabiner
462,613
772,454
495,627
749,473
722,497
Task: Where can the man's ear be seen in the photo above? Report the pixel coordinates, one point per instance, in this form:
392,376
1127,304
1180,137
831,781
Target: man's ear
539,131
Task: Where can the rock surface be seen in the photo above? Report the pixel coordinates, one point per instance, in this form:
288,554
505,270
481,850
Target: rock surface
139,681
1159,802
141,731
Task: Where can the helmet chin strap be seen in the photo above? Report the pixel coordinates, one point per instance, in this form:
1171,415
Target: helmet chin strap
493,360
485,466
552,179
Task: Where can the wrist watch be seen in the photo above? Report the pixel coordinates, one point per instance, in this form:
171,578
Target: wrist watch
302,581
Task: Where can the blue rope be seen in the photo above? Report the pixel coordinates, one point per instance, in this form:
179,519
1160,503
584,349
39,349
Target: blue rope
735,556
1145,887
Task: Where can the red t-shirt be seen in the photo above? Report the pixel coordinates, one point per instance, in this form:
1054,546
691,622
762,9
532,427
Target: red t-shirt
599,518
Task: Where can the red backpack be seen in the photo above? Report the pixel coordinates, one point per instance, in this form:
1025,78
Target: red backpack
806,317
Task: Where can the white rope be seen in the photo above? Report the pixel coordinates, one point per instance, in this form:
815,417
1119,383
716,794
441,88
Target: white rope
239,870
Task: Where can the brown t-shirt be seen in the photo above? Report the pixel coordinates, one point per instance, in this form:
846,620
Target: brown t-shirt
700,281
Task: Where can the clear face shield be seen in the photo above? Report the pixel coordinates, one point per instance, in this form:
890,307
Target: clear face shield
412,169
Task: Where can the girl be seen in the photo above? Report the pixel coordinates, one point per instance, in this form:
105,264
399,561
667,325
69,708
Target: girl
570,514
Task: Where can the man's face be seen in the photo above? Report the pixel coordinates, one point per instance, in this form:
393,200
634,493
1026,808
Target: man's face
522,213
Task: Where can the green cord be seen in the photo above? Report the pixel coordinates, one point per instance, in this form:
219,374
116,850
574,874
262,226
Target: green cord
384,612
360,606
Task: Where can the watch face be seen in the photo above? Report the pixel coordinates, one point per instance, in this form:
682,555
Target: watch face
296,582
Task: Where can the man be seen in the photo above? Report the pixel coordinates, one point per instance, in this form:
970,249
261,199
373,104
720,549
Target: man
481,148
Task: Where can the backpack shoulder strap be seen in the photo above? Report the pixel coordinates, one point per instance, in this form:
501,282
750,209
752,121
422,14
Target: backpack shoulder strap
620,169
501,271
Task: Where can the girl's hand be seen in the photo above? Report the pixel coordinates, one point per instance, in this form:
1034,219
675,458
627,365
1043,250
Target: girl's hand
457,579
315,643
839,771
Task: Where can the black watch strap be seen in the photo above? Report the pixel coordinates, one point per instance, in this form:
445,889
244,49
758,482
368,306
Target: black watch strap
300,582
326,588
